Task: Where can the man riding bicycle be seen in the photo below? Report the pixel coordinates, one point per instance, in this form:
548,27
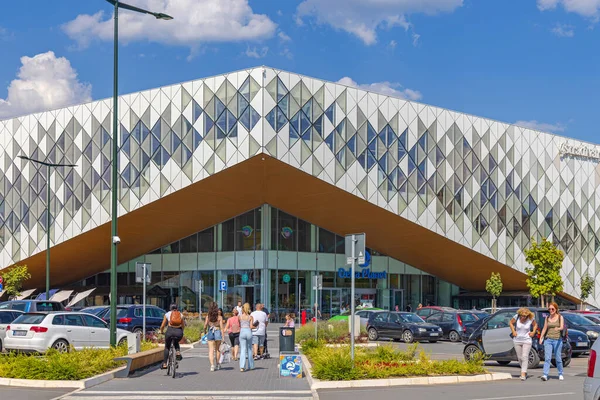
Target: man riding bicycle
174,322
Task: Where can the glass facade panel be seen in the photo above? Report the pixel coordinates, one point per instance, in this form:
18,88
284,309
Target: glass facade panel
245,226
326,241
227,235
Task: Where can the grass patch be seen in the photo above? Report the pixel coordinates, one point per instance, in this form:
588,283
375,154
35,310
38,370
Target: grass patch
193,330
334,332
335,364
53,365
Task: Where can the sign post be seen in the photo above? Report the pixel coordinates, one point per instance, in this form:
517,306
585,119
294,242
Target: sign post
355,250
199,289
143,272
222,289
317,285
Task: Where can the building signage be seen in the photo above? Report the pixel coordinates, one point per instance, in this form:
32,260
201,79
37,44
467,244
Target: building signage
579,150
364,274
247,231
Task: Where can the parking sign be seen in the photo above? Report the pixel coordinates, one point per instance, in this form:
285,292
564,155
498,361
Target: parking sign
223,286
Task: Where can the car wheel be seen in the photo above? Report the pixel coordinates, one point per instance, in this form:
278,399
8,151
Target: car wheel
122,342
533,360
470,352
138,330
503,362
407,336
373,334
454,336
433,341
62,346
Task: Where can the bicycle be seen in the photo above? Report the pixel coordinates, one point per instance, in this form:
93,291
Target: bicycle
172,362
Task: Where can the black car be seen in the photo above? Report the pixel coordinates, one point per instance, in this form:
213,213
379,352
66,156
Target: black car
580,343
454,323
581,323
401,325
492,337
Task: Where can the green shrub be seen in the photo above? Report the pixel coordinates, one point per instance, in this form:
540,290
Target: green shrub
334,363
193,330
53,365
330,332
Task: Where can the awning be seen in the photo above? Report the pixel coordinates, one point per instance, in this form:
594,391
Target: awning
61,296
80,296
26,294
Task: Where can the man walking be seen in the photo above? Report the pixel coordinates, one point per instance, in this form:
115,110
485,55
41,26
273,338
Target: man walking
239,307
259,330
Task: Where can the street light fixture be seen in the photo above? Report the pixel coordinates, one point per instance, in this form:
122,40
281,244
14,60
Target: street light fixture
115,240
48,165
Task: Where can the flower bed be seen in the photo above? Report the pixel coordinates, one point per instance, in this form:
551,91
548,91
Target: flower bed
333,332
335,364
74,365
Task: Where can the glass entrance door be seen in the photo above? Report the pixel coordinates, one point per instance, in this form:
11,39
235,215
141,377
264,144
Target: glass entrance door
331,302
397,300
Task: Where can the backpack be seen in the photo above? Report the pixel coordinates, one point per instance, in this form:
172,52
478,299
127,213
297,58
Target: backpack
175,320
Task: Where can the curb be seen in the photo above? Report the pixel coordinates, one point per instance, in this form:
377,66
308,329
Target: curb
316,384
80,384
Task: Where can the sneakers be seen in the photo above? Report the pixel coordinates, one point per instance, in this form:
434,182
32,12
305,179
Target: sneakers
523,378
561,378
544,378
218,367
212,368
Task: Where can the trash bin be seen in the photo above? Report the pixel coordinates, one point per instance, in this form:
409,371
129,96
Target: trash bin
287,339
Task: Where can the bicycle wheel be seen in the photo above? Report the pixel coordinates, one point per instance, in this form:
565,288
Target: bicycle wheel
170,361
173,362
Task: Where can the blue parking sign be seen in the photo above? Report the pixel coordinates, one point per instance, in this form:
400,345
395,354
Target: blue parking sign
223,286
1,287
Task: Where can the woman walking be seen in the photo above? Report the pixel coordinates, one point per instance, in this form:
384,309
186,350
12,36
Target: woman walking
213,326
246,323
551,337
233,328
522,333
289,321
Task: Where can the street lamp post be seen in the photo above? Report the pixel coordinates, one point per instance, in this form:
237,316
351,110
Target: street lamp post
48,165
115,171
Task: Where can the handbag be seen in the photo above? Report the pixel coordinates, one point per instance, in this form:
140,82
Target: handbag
204,339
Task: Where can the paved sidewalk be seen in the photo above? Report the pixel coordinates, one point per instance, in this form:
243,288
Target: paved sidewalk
195,381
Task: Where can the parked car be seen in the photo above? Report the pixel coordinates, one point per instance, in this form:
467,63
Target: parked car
401,325
38,332
32,305
490,309
580,342
96,310
591,384
453,323
129,317
594,318
583,324
492,337
425,312
362,313
6,317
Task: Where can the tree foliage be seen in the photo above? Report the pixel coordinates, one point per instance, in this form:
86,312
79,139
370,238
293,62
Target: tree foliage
13,278
494,285
544,274
587,286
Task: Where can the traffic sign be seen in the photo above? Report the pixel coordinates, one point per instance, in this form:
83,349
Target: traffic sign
359,248
140,269
223,286
1,287
317,282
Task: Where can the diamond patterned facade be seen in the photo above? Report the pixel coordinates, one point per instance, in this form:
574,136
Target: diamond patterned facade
483,184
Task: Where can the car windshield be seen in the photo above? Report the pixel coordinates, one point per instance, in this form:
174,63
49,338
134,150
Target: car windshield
578,319
411,318
29,319
468,317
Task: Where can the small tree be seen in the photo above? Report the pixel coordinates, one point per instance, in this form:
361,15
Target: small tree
494,287
587,286
13,278
544,274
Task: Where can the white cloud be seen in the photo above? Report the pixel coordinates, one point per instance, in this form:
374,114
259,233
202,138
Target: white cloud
44,82
283,37
287,53
393,44
542,126
393,89
363,18
256,53
563,30
585,8
415,38
195,22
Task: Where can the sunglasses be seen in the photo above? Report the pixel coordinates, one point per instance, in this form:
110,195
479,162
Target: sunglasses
552,309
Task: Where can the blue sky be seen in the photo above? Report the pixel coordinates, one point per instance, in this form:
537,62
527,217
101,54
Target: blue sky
533,61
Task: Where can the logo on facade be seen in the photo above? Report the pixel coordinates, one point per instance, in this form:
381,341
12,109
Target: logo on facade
286,232
247,231
579,150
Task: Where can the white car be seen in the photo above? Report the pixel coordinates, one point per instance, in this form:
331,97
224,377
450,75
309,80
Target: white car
6,317
591,385
37,332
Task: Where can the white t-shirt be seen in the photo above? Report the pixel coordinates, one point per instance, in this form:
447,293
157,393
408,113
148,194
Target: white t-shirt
239,308
261,317
523,330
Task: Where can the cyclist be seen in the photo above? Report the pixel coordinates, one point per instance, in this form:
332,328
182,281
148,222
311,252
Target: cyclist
174,322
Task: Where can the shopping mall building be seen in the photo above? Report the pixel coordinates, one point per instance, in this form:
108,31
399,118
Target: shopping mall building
256,176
